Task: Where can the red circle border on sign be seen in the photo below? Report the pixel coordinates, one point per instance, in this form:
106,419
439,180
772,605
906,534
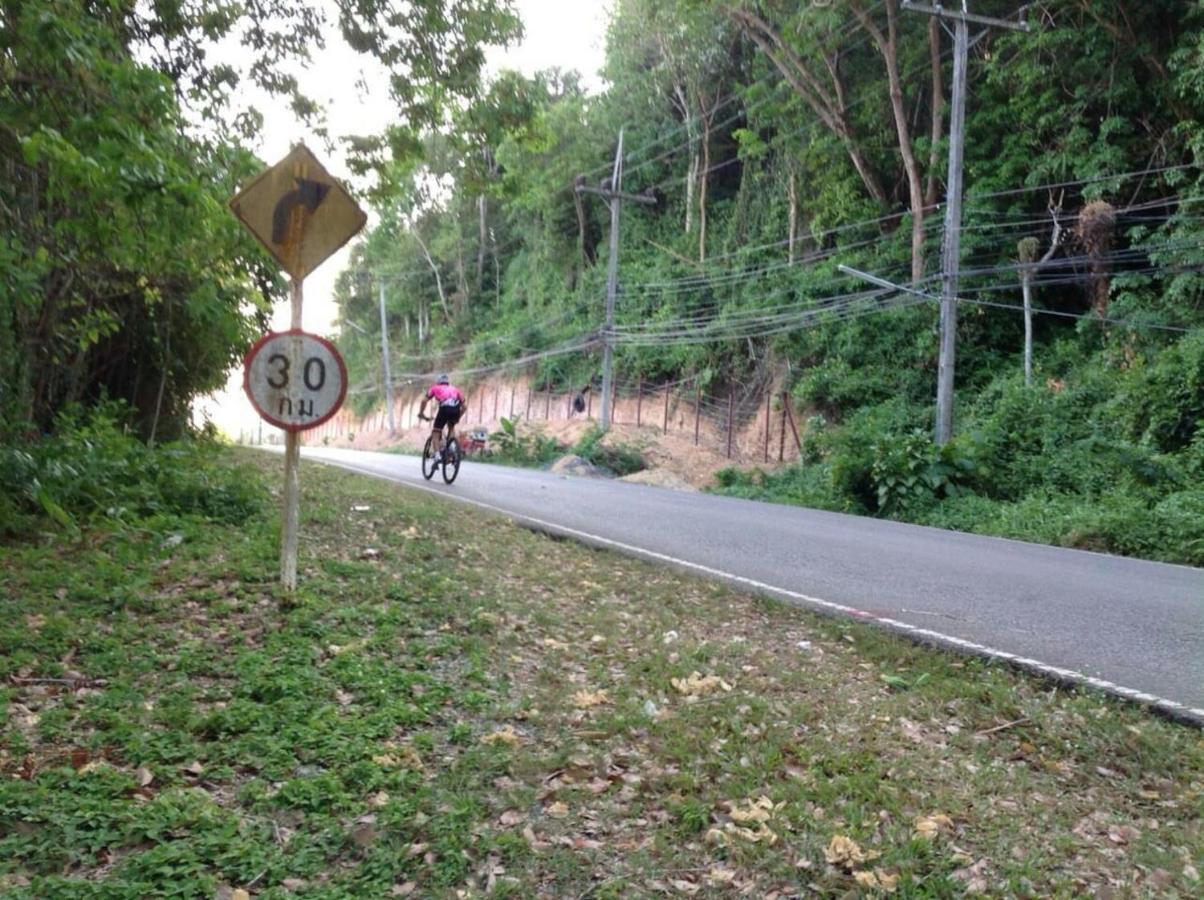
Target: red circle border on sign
264,414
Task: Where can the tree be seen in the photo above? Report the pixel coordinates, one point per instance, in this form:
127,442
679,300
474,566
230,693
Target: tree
809,48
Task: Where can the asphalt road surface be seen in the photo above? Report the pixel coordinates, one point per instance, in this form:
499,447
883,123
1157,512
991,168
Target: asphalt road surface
1127,626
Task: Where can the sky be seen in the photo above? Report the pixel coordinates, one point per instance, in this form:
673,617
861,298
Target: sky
569,34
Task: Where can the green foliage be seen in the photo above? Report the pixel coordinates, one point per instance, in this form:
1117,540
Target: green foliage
620,459
92,468
911,472
523,447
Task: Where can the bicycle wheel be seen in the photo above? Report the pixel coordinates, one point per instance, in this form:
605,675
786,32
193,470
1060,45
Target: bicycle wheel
451,461
428,459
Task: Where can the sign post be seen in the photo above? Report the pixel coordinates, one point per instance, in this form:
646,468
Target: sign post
296,380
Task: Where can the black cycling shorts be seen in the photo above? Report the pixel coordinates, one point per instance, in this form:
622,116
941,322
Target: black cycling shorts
447,415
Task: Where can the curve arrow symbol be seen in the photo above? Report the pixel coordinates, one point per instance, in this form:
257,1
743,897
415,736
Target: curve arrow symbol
308,194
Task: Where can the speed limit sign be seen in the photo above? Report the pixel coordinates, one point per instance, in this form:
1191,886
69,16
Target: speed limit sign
294,379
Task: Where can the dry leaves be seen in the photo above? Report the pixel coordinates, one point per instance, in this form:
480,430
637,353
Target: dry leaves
928,827
505,735
399,756
847,853
590,699
750,822
698,685
974,877
878,879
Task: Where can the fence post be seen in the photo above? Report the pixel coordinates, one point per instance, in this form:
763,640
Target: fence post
793,429
697,411
527,408
511,401
665,423
547,405
589,403
639,399
495,404
614,402
782,439
731,408
768,414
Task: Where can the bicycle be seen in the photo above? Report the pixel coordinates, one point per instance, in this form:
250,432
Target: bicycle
449,462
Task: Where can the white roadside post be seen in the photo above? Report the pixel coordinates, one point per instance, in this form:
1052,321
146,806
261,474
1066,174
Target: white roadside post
296,380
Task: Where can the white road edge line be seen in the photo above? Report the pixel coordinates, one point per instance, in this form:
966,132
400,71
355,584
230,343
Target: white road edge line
1173,709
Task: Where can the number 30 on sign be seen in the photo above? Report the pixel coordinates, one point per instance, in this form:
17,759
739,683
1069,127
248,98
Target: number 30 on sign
294,379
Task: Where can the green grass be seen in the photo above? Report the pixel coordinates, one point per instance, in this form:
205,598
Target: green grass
474,708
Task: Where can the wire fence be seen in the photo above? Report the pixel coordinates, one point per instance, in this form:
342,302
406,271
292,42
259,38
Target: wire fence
743,423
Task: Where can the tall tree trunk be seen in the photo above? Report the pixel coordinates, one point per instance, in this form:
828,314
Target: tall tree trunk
938,112
1026,286
887,44
691,181
703,179
482,235
792,237
827,102
438,280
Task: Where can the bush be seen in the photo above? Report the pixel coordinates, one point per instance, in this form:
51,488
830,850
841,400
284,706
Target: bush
92,468
619,459
910,472
518,448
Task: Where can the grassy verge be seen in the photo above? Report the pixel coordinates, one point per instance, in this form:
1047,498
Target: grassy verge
457,707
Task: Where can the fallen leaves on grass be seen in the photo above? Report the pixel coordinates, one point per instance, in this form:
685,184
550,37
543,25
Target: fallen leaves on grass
974,877
928,827
699,685
505,735
877,880
590,699
749,822
845,852
398,756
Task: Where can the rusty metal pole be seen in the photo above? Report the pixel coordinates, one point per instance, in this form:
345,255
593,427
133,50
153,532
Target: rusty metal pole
794,430
731,408
697,412
782,439
768,412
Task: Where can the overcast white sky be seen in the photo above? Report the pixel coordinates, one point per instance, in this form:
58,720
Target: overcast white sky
569,34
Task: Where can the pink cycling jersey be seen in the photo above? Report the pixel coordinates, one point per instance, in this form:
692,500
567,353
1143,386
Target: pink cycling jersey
446,395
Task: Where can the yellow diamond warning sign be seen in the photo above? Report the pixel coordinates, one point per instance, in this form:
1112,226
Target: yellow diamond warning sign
299,212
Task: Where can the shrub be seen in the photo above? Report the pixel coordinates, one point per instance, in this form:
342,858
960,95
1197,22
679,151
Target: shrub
529,448
620,459
92,468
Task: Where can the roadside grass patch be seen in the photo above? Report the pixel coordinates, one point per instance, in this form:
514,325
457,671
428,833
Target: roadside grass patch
473,709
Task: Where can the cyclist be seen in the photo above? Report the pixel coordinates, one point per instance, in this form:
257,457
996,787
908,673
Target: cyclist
451,402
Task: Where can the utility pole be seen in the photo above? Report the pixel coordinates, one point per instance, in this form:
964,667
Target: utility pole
384,356
613,192
951,249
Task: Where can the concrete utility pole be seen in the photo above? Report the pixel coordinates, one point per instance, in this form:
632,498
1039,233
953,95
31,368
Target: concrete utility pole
384,357
951,250
613,192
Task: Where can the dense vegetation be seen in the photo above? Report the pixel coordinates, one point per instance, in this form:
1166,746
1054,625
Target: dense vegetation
122,134
783,139
779,139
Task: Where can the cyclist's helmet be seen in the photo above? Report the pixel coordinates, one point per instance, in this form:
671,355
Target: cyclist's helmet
442,379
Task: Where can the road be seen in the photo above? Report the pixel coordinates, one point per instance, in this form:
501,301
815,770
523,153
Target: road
1130,627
